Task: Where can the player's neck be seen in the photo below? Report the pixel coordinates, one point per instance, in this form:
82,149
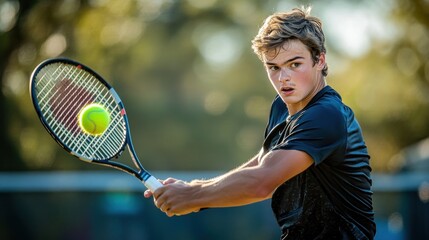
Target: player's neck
293,108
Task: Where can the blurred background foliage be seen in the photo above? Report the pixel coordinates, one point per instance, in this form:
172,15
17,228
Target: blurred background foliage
196,95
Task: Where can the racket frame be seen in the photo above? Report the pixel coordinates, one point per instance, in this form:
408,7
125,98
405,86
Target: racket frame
142,174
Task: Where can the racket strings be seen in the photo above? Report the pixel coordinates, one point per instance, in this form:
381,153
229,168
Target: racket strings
62,91
57,100
63,106
106,144
84,138
49,83
116,138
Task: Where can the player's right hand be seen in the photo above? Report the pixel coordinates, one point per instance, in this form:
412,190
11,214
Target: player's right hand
148,193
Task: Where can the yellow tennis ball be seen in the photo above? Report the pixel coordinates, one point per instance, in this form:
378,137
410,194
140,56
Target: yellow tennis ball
94,119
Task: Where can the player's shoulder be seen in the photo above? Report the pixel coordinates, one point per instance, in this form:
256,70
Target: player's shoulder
326,102
327,108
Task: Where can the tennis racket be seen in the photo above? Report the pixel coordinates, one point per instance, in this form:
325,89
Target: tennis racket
59,89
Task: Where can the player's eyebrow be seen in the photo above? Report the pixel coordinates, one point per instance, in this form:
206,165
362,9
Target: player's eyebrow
286,62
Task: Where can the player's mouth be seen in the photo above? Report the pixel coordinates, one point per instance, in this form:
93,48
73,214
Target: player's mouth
287,90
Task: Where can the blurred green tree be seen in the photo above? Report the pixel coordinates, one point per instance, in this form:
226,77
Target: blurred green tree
11,37
389,86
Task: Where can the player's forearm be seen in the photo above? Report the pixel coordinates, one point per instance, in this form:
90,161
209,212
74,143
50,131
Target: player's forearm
240,187
252,183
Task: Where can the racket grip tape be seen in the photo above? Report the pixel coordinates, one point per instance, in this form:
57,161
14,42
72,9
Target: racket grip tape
152,183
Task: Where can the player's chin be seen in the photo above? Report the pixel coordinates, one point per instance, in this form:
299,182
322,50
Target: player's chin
289,99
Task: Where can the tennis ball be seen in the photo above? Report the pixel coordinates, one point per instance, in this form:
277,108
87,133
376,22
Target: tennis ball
94,119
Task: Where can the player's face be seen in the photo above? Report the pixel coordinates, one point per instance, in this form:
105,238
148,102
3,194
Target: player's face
294,75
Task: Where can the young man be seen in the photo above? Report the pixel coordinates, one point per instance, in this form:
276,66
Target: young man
313,164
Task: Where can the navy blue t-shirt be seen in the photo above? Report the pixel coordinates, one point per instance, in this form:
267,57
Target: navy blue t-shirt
332,199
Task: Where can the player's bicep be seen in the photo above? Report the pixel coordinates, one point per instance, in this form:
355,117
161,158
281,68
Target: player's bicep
282,165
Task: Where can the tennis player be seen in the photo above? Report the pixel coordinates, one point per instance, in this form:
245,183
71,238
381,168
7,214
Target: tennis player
313,164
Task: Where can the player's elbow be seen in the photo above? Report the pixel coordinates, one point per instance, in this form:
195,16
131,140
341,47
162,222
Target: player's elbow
264,194
260,187
261,191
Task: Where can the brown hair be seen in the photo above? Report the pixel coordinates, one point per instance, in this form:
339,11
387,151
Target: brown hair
296,24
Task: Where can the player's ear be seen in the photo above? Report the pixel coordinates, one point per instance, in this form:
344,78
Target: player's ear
321,61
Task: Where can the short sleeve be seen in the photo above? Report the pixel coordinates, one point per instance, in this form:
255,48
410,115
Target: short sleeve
320,131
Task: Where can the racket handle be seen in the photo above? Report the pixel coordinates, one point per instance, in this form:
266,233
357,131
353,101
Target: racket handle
152,183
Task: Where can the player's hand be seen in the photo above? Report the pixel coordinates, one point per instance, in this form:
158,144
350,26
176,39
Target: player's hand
148,193
175,198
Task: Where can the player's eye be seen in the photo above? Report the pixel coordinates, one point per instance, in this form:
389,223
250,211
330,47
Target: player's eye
295,64
272,68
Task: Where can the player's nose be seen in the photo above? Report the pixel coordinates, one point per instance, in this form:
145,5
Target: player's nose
284,76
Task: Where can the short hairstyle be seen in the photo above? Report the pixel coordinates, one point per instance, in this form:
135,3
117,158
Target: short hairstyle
296,24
